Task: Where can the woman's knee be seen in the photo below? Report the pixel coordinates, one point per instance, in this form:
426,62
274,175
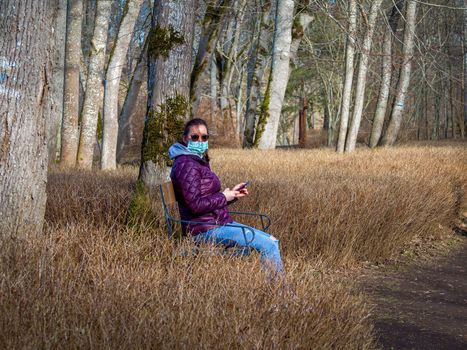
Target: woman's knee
274,238
271,244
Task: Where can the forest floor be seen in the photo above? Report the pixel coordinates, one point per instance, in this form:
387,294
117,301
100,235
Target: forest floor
422,305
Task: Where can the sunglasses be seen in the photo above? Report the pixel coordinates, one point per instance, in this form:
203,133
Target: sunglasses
195,137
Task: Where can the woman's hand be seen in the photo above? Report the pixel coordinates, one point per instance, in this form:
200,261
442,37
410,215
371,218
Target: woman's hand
230,195
243,191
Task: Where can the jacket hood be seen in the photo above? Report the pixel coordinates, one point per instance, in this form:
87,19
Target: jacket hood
178,149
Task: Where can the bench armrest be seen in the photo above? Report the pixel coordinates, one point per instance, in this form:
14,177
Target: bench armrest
265,219
243,228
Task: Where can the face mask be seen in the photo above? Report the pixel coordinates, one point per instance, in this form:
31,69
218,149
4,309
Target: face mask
198,147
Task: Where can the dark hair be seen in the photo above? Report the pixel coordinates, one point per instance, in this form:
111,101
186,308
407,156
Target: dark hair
196,122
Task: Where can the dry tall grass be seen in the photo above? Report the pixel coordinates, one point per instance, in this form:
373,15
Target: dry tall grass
349,208
91,282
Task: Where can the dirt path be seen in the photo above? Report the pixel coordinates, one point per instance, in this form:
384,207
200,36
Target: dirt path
422,306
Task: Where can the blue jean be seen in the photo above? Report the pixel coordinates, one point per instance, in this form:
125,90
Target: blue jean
264,243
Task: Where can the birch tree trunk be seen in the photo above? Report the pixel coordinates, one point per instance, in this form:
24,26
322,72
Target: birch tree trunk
238,106
24,77
381,106
126,121
300,25
170,64
70,133
386,74
94,86
256,69
404,77
361,78
279,73
349,69
213,82
58,74
112,85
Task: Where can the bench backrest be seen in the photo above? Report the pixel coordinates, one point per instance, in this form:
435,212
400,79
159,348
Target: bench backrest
168,194
170,205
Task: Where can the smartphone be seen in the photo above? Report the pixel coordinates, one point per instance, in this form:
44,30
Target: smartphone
243,186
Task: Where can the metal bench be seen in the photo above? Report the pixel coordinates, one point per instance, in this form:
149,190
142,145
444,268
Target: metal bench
170,207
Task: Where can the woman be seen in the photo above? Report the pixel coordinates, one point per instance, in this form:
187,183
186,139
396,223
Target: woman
198,192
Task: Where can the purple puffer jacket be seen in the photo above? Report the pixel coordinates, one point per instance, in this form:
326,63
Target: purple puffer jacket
197,190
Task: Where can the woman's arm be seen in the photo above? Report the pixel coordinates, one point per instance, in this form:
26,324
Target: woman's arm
189,181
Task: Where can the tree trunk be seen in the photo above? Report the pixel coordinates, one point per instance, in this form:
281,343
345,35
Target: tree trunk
386,73
55,101
256,68
169,73
300,25
436,122
419,120
381,106
229,58
312,119
446,113
267,130
239,127
450,93
112,84
235,66
89,21
207,43
425,114
213,82
465,68
298,31
94,86
329,117
361,78
302,123
349,69
25,41
404,77
70,134
126,121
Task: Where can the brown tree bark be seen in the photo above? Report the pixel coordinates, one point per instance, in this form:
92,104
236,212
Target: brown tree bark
25,36
302,123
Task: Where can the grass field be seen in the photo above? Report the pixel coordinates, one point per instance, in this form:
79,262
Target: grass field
92,282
